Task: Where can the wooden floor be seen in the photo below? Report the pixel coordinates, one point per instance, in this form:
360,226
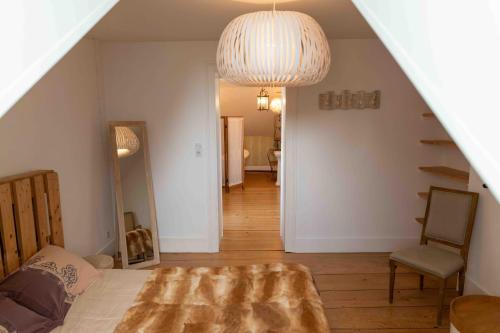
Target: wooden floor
353,287
252,215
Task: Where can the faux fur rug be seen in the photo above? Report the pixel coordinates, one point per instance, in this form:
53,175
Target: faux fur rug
256,298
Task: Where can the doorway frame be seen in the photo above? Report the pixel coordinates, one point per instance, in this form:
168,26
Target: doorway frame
215,210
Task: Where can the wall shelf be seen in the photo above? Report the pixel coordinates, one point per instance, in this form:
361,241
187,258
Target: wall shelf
447,172
439,142
428,115
420,219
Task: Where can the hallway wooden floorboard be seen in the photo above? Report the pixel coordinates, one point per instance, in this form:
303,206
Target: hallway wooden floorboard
252,215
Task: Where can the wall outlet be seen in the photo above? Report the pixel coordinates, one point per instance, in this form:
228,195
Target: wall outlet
197,149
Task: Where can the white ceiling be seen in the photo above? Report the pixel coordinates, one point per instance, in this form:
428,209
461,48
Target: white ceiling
188,20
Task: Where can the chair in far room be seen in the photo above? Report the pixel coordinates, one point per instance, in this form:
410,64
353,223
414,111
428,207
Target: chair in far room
273,162
444,242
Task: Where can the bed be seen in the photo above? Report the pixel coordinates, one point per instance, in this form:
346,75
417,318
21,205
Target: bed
274,297
102,306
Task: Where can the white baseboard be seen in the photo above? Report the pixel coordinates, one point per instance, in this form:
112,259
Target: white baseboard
473,288
108,249
257,168
185,245
314,245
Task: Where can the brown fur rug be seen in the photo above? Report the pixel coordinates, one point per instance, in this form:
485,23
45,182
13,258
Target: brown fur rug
256,298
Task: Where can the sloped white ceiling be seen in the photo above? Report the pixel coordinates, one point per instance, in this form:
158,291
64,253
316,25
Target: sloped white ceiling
197,20
35,35
450,50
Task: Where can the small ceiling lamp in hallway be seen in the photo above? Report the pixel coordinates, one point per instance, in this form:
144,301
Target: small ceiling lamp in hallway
276,105
263,100
273,48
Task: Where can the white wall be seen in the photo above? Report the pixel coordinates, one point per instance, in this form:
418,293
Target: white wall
166,84
483,273
365,199
352,174
35,35
57,125
431,58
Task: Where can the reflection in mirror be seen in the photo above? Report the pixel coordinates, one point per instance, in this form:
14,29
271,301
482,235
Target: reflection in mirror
134,195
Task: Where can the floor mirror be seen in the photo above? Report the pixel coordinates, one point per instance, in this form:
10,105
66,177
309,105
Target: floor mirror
134,197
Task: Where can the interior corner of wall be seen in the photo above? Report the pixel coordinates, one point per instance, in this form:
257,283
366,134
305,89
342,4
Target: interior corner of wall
474,288
108,248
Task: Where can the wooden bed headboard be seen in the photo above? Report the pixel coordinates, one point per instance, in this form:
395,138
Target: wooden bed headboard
30,217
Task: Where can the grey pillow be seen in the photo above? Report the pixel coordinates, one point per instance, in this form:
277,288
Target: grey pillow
16,318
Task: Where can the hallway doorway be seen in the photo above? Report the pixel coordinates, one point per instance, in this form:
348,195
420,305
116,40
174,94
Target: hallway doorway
249,145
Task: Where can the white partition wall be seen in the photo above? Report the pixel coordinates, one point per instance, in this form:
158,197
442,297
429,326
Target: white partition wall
235,137
232,136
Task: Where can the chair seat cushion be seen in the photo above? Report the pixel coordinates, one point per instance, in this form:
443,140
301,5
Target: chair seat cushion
433,260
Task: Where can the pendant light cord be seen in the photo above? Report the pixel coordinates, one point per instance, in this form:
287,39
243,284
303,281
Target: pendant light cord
273,43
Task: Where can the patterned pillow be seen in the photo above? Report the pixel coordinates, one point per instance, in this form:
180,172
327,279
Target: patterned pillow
49,282
76,273
17,318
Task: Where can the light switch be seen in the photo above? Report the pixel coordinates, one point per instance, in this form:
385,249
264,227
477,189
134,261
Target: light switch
197,149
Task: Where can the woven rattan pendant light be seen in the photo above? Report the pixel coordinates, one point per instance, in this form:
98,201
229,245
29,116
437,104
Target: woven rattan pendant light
127,143
273,48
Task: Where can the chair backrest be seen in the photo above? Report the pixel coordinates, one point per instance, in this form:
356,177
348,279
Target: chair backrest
449,217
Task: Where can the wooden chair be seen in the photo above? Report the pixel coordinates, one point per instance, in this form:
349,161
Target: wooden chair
449,218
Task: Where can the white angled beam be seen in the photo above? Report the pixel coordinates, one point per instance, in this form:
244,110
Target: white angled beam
35,35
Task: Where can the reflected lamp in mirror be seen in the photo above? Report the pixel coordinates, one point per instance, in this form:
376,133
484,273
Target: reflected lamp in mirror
127,143
276,105
263,100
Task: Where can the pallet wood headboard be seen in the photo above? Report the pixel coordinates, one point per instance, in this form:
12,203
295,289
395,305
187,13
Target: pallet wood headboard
30,217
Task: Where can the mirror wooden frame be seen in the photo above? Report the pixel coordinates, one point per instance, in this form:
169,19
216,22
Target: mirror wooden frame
119,195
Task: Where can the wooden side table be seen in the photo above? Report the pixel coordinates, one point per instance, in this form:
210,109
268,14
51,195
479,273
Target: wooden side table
475,314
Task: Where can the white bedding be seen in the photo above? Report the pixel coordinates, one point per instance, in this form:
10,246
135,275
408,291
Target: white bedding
103,305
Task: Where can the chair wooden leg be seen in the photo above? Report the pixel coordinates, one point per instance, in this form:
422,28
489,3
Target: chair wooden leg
392,279
461,282
442,289
421,282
